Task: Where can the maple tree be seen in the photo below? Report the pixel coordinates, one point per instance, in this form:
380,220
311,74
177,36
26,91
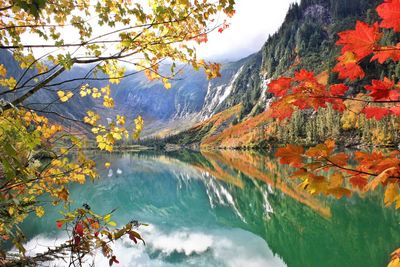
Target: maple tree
325,168
48,39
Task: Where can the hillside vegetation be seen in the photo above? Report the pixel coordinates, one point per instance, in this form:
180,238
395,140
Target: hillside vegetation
306,40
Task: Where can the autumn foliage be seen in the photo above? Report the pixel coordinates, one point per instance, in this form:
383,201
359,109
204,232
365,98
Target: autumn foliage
326,168
39,157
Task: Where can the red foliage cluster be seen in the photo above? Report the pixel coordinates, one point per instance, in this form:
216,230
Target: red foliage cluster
364,41
304,91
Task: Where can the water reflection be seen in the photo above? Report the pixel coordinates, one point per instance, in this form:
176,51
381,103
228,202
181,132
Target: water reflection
304,230
232,208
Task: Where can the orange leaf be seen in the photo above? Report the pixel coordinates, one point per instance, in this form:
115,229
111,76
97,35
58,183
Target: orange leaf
321,150
391,194
280,86
339,89
382,90
336,180
381,178
281,110
375,112
351,71
304,75
389,11
359,181
339,192
387,52
361,40
339,159
291,154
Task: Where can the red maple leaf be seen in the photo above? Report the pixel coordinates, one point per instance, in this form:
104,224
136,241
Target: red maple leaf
360,41
338,89
301,103
387,52
381,90
337,104
79,229
280,86
304,75
351,71
281,110
389,11
375,112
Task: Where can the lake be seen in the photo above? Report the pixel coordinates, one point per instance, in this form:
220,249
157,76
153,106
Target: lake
227,208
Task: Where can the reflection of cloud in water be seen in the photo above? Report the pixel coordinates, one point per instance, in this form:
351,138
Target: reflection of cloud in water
227,247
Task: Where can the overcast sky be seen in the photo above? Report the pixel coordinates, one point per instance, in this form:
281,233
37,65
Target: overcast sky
250,26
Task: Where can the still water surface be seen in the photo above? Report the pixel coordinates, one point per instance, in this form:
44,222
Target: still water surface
228,208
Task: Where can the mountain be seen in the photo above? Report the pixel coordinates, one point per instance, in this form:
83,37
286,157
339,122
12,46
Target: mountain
191,99
306,40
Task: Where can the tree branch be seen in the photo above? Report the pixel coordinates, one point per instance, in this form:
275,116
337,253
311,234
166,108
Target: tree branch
39,86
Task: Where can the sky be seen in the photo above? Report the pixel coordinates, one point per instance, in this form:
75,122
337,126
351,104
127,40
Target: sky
249,28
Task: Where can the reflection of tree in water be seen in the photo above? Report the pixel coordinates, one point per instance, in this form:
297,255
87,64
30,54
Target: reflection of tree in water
303,229
360,233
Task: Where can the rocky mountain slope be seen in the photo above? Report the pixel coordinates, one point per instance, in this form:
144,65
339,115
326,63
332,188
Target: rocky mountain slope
306,39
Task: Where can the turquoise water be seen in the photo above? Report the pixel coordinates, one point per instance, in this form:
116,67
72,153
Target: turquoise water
227,209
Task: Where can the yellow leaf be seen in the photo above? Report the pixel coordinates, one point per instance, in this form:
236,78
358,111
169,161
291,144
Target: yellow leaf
394,263
102,146
107,218
391,194
10,83
3,70
96,93
63,194
167,85
117,135
11,210
64,97
336,180
112,223
109,148
184,3
120,120
39,211
108,102
106,90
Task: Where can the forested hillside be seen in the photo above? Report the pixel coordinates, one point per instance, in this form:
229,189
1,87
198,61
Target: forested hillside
306,40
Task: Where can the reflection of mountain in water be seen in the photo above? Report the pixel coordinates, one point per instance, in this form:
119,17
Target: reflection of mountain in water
303,229
187,195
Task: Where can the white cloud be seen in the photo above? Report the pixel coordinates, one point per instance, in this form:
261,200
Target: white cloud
253,22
